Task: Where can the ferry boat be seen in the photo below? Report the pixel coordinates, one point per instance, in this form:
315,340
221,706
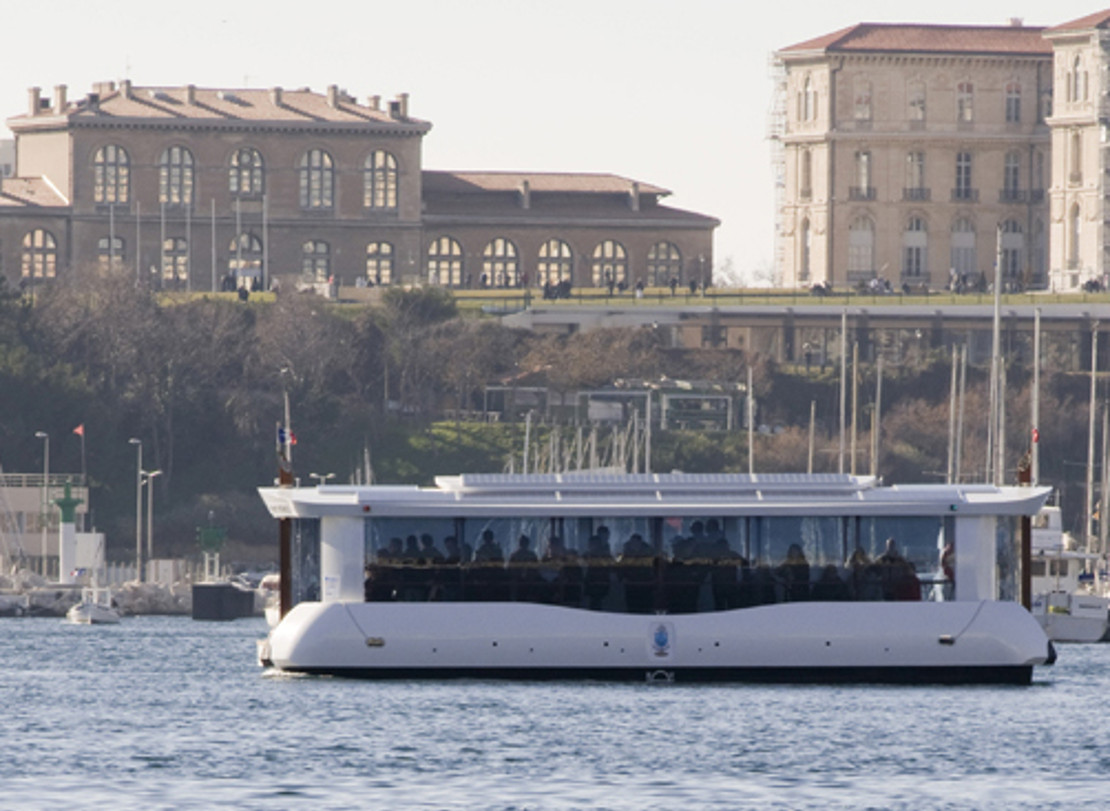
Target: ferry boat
658,577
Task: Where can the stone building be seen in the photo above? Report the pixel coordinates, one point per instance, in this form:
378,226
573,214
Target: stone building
199,188
914,153
1079,238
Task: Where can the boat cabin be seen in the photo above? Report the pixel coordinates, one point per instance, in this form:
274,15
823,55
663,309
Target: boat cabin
654,543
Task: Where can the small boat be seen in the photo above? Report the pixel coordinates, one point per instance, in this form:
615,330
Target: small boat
1065,602
269,588
96,607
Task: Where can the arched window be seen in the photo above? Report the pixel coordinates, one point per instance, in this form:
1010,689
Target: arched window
379,263
40,255
111,175
109,253
175,261
1074,234
610,264
806,248
962,255
379,181
245,256
175,177
805,174
1075,174
1013,249
316,260
1013,103
317,180
915,241
499,263
861,246
664,263
445,262
556,262
807,112
246,175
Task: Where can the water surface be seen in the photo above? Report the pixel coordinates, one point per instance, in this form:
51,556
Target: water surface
165,712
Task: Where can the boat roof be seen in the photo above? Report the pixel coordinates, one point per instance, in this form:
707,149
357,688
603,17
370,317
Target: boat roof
652,494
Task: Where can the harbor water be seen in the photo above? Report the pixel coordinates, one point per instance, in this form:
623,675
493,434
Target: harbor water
165,712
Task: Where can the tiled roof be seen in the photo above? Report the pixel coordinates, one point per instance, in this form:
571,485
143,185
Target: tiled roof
225,104
573,182
29,191
1100,19
912,38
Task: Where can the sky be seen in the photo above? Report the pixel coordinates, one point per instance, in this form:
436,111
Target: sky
670,92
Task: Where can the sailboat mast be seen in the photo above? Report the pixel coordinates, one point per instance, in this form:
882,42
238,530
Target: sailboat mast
1035,431
1091,440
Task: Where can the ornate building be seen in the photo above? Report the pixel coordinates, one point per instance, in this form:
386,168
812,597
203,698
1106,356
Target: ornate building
195,188
915,153
1079,238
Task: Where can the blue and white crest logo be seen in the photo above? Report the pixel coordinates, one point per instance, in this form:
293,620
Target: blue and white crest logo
661,641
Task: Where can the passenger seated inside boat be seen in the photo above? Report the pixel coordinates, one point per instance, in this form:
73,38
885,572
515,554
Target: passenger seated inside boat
900,581
428,552
714,565
794,574
599,561
523,553
488,550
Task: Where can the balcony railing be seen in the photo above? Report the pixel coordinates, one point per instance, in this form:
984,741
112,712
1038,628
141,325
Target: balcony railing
916,193
1012,196
965,195
861,193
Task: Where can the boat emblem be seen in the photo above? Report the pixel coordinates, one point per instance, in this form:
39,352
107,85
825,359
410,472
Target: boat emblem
661,640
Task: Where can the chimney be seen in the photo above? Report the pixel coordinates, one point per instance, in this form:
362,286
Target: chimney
190,94
34,96
1017,22
125,88
525,194
404,99
333,95
634,196
59,99
375,102
275,96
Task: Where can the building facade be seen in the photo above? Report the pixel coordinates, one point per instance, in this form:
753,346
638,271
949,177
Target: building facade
199,188
931,154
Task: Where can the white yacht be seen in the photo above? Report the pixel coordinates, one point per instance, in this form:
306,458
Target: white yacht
663,577
1065,601
95,608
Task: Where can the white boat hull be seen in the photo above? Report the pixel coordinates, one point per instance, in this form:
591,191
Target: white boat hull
1072,617
92,614
873,642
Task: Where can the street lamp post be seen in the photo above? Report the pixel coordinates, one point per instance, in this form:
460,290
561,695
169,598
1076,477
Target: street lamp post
150,476
138,443
44,516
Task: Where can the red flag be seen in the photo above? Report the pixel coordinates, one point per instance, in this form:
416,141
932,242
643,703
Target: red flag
80,430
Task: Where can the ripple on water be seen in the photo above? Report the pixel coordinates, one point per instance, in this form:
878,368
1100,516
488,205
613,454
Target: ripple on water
162,712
